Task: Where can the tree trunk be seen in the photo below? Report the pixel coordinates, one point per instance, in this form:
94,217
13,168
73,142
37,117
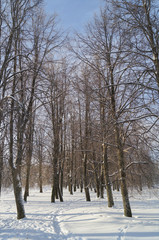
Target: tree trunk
1,165
16,167
59,190
81,184
102,183
18,194
54,185
70,185
75,177
122,173
56,192
87,135
40,175
53,193
61,179
107,180
95,169
116,184
86,188
28,157
26,193
120,152
97,185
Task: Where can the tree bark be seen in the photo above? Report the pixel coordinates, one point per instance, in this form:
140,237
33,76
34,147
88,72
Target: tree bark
29,149
1,164
40,174
122,174
107,180
56,192
86,188
26,193
18,194
16,171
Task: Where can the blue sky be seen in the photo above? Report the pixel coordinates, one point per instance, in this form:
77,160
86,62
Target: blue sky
73,14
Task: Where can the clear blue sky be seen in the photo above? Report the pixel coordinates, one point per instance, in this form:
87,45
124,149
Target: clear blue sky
73,14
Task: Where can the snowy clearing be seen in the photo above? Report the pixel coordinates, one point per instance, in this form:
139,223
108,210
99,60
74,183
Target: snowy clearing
76,219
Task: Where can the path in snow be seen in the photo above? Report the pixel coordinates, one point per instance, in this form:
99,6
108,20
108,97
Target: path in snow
76,219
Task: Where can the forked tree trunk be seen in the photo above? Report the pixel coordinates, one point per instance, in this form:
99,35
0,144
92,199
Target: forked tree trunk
56,191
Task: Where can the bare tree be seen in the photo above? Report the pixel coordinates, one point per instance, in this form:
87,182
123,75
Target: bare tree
23,85
56,89
19,11
141,20
100,41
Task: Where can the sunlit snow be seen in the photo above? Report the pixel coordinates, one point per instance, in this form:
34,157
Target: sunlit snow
76,219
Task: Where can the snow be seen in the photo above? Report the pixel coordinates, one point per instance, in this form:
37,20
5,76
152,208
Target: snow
76,219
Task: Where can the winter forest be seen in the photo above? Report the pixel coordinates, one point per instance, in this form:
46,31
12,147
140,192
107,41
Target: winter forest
81,110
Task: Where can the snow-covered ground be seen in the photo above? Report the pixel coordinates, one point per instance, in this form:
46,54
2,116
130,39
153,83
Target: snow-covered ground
76,219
